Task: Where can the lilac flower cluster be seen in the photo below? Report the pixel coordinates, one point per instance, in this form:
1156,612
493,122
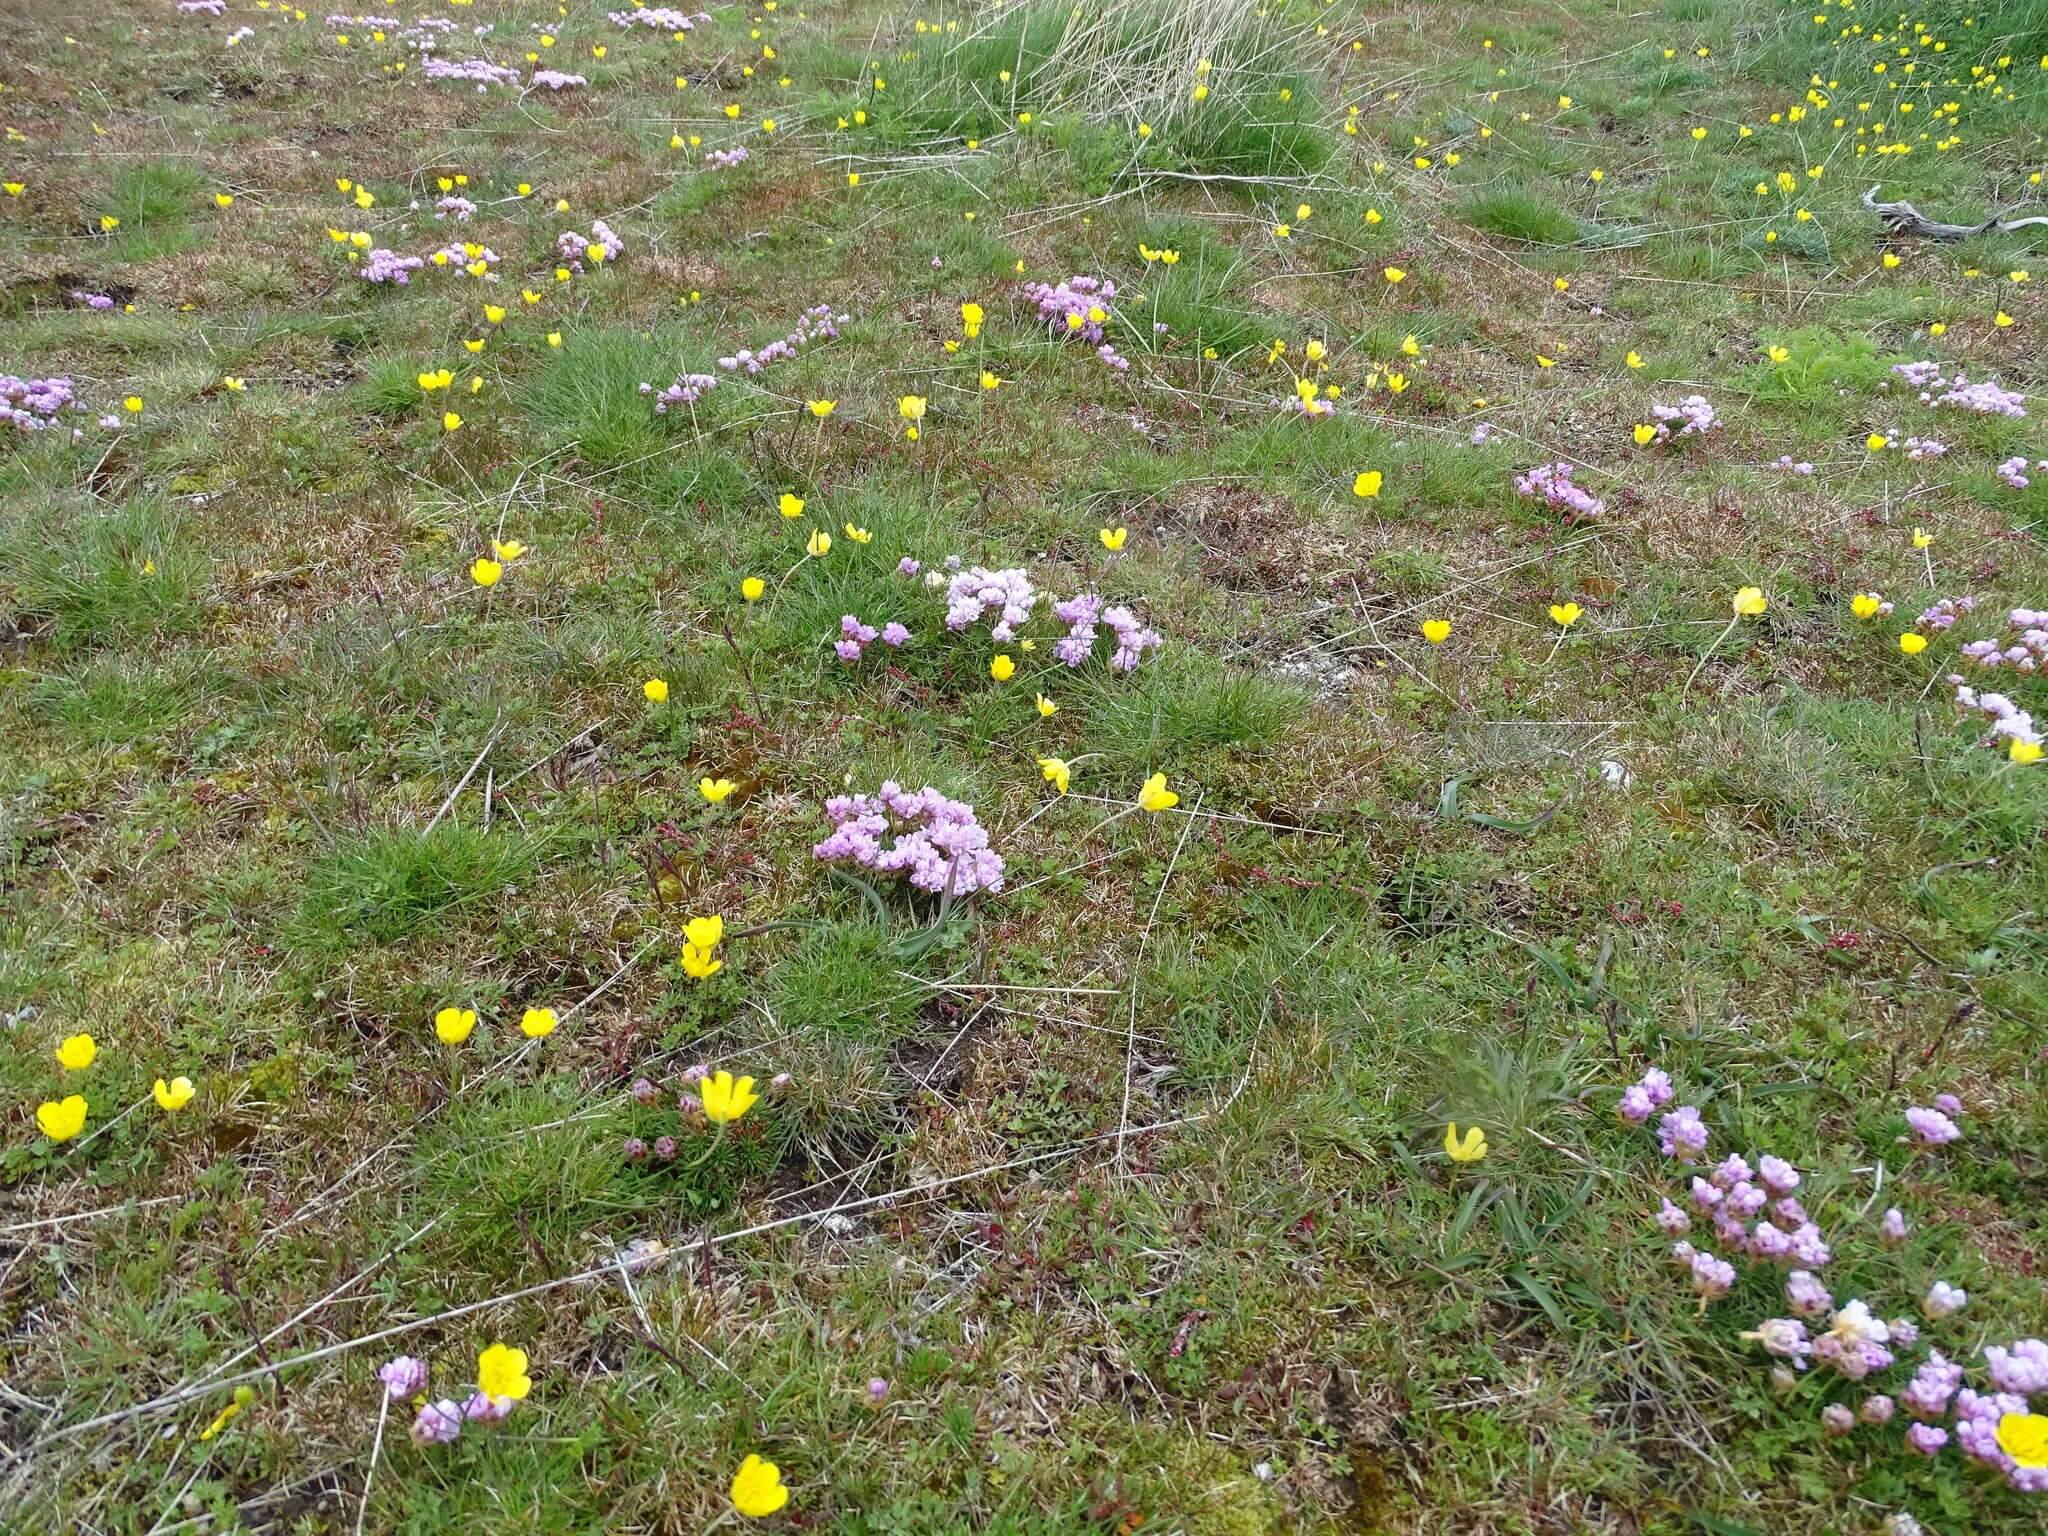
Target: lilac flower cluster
455,206
726,159
1645,1098
662,18
976,590
382,266
855,637
1985,398
817,323
1711,1277
1784,462
1921,448
1553,482
1080,306
1941,615
2014,471
933,840
555,80
207,7
1693,416
33,404
458,258
688,389
482,71
1082,613
572,246
426,33
437,1423
1932,1127
2008,722
92,300
1481,433
2028,656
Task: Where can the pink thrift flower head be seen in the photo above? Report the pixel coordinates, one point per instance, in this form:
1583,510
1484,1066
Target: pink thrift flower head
403,1377
1777,1175
437,1423
1876,1409
1673,1220
2022,1368
1806,1295
1891,1231
482,1408
1836,1419
1682,1134
1934,1383
1784,1337
1931,1128
1925,1438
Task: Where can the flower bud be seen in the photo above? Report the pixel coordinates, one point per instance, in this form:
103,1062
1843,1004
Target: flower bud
665,1147
635,1149
878,1392
645,1091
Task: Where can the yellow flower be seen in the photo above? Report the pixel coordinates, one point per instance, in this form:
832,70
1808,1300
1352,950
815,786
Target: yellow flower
450,421
1046,708
494,313
1469,1148
109,223
230,381
821,408
858,535
853,178
2024,751
1645,433
1394,274
1922,538
1566,614
175,1094
76,1053
537,1023
1912,644
508,552
62,1120
1368,483
2001,319
1634,360
1113,538
656,689
1436,631
1058,772
2024,1437
1153,795
1876,442
452,1026
1865,605
725,1101
790,505
501,1373
820,542
990,381
1891,259
715,790
700,963
1748,602
244,1396
223,199
485,573
704,932
132,403
911,407
475,346
757,1489
1002,668
970,319
752,588
13,188
1545,362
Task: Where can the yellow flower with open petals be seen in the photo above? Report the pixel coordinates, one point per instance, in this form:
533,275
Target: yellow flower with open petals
1058,772
970,319
538,1023
821,408
725,1100
1634,360
1368,483
2024,1437
1566,614
715,790
757,1488
1003,668
452,1026
1922,538
704,932
790,504
501,1373
752,588
2024,751
1877,442
485,573
508,552
450,421
858,535
990,381
1865,605
1113,538
819,543
1394,274
1469,1148
1748,602
1046,707
174,1095
656,689
76,1052
1153,795
1436,631
911,407
1912,642
1645,434
700,963
63,1119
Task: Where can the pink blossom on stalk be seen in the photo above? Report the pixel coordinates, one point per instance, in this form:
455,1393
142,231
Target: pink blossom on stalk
1891,1231
437,1423
1933,1384
1673,1220
1682,1134
1836,1419
1931,1128
1925,1438
403,1377
2022,1368
1806,1295
1784,1337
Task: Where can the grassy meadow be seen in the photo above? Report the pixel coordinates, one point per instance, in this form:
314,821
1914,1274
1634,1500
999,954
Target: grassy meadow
1408,568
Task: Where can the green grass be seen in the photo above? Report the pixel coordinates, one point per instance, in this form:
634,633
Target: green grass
1127,1180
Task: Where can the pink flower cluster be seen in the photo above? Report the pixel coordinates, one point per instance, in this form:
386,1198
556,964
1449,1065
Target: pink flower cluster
1784,462
688,389
438,1423
2014,471
572,246
855,637
1985,398
1921,448
814,324
933,840
455,206
1080,306
1941,615
1082,613
1553,482
555,80
976,590
660,17
2028,656
382,266
726,159
1693,416
2007,721
209,8
482,71
30,405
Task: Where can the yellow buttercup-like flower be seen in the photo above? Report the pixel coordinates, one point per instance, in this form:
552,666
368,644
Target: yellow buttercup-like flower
1566,614
1912,643
700,963
725,1100
1865,605
1113,538
1394,274
1058,772
1046,707
1645,434
2024,751
485,573
790,505
821,408
63,1119
2024,1437
704,932
1153,795
656,689
175,1094
1748,602
501,1373
538,1023
1368,483
1469,1148
715,790
752,588
757,1488
858,535
1436,631
509,552
452,1026
819,543
76,1052
1003,668
1922,538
